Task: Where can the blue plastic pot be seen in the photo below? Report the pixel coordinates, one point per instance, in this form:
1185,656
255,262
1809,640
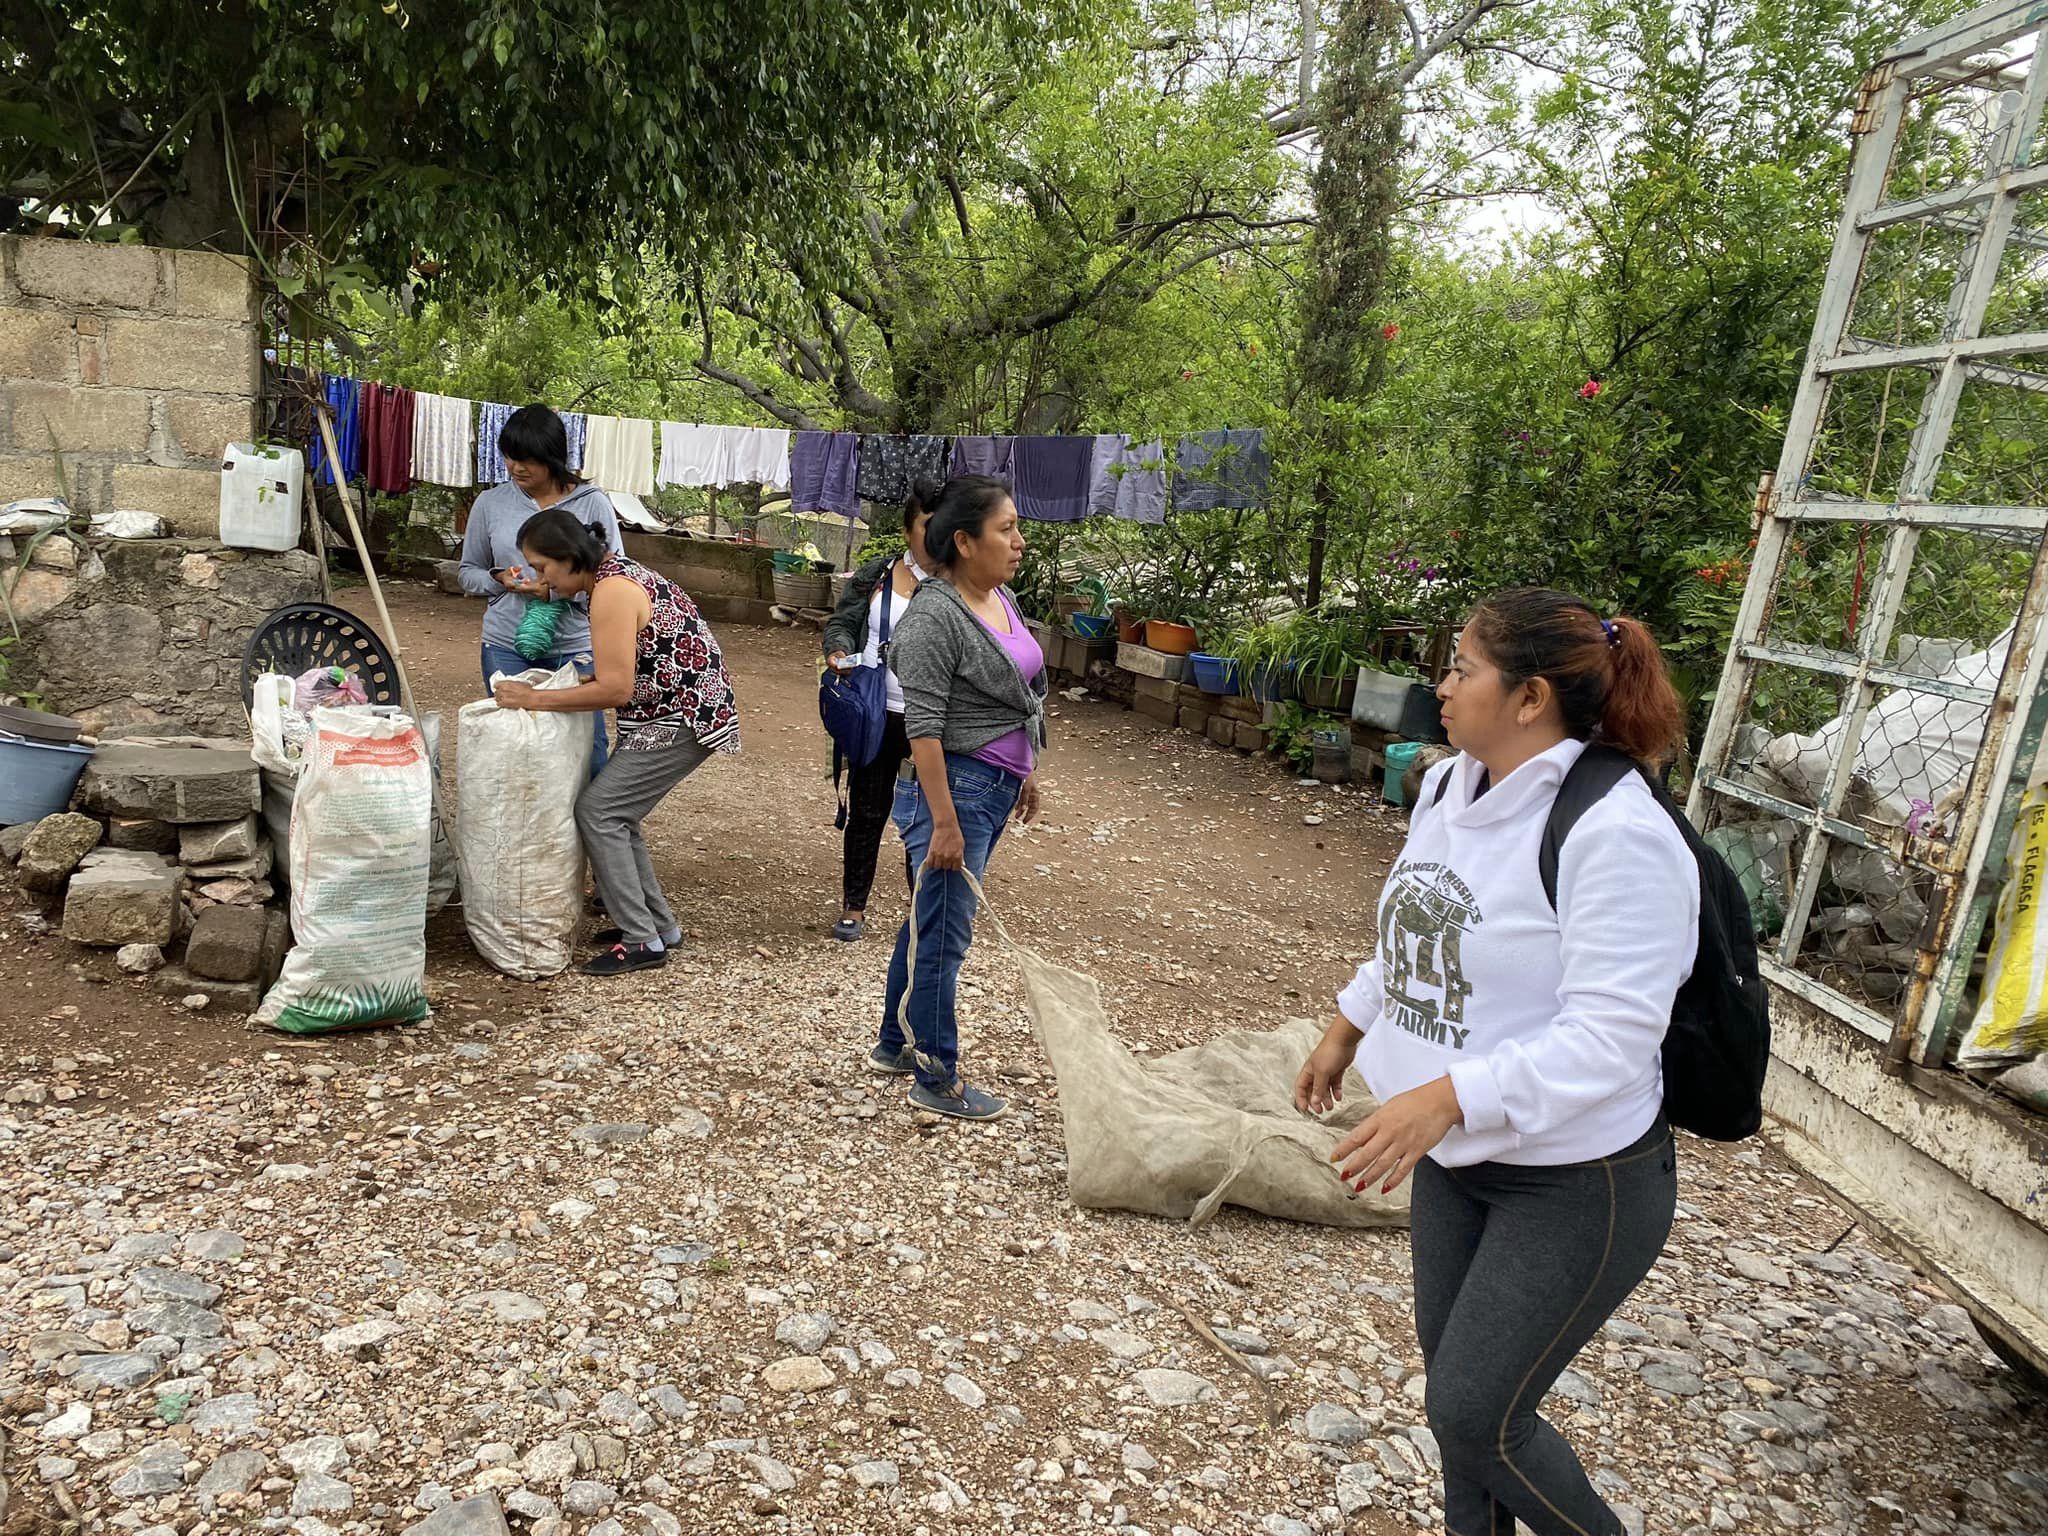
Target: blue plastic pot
1215,674
1273,681
37,778
1092,626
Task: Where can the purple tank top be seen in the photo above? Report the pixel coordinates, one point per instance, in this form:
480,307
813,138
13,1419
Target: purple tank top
1013,753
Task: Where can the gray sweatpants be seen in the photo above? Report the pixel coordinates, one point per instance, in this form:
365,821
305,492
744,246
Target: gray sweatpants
609,813
1516,1269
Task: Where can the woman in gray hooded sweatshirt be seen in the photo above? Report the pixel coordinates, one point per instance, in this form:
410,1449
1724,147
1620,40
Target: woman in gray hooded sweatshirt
535,445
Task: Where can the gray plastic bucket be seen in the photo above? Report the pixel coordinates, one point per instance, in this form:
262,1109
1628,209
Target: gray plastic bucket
37,777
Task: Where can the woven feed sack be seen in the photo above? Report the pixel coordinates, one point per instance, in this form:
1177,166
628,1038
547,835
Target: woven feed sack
361,841
1191,1132
518,772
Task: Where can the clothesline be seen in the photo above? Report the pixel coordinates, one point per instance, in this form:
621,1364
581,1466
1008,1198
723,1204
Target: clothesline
393,438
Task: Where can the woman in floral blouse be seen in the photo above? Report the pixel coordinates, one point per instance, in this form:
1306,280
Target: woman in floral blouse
659,667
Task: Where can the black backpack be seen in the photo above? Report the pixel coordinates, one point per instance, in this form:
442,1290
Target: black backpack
1719,1042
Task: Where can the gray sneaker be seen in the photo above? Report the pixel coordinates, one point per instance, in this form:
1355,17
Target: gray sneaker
896,1064
959,1101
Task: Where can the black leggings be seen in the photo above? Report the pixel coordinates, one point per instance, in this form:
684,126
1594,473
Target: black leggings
870,795
1515,1270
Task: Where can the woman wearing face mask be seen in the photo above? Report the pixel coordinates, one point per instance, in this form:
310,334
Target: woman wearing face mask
659,666
535,445
974,689
1514,1049
853,638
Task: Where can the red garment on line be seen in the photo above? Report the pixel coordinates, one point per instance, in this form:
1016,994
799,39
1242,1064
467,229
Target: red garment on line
387,438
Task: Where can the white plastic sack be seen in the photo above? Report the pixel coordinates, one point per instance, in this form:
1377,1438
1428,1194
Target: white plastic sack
1916,749
278,734
517,777
361,833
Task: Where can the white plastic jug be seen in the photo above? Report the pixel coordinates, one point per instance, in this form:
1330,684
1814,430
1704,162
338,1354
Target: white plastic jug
260,489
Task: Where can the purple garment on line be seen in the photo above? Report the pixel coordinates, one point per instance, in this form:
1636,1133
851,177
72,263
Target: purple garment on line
822,468
1013,753
1051,477
983,456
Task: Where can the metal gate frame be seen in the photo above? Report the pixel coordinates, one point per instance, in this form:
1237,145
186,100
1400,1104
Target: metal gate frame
1966,866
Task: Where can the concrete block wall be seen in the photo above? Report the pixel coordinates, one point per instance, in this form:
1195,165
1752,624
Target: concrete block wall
144,364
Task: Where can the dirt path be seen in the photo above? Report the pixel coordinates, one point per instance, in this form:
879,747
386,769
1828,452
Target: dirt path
628,1298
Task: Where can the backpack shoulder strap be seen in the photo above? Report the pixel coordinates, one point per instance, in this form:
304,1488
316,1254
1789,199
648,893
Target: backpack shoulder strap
1585,785
886,585
1443,785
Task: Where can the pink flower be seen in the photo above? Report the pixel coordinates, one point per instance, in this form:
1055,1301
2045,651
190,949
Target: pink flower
1589,389
1187,373
1389,331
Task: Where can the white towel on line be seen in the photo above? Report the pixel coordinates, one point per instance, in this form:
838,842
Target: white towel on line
691,455
618,454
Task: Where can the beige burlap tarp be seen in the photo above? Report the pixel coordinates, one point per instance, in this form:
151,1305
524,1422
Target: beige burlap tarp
1191,1132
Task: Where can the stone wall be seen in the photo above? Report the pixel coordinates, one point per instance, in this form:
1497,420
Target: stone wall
146,637
143,364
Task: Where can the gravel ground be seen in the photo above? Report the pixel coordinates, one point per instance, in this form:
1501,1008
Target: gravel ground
655,1255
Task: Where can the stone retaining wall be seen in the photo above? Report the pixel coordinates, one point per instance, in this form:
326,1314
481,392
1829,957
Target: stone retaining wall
142,364
146,637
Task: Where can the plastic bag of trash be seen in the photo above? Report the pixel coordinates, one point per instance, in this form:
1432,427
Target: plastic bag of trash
1198,1129
361,841
518,774
127,525
33,514
2011,1023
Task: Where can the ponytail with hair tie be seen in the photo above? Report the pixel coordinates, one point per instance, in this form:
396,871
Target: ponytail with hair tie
1608,674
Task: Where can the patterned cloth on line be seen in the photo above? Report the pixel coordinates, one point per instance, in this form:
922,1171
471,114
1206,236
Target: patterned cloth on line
891,464
490,421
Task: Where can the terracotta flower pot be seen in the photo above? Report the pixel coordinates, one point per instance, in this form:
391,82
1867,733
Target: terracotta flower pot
1129,631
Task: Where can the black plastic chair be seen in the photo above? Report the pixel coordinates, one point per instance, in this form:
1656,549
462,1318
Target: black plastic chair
301,636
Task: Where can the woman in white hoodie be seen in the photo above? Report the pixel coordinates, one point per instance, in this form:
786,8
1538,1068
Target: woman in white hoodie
1514,1049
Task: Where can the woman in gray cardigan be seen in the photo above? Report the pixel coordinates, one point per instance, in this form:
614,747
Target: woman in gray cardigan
974,687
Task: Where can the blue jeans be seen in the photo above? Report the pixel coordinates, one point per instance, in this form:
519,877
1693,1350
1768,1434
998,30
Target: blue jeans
983,798
502,658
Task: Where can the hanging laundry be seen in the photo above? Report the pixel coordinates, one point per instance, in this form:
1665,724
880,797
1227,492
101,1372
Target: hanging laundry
691,455
982,456
1050,476
577,426
344,397
619,454
1127,480
490,421
891,463
443,440
761,457
822,469
1221,469
387,438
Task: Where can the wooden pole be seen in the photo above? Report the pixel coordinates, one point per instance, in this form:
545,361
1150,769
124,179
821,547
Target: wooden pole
355,528
319,535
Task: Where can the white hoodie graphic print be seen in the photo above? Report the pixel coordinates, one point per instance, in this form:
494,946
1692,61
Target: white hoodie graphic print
1549,1024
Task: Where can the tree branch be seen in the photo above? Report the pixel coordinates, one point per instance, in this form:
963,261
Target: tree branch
790,415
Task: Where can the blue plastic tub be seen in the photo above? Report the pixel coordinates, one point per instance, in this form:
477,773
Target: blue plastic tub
1215,674
37,778
1092,626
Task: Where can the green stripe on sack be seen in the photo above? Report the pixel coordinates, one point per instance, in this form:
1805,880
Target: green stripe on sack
353,1008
